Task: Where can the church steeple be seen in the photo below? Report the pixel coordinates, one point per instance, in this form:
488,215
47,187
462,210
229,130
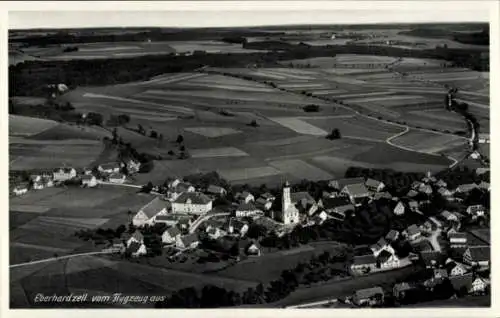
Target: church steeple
286,199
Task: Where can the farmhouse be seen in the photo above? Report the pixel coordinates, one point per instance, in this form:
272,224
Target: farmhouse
425,188
253,249
479,285
170,235
216,190
262,204
363,264
289,214
356,192
380,246
136,249
455,269
477,256
413,233
131,165
42,181
475,210
465,188
247,209
244,197
374,185
20,189
399,209
444,192
108,168
369,296
63,174
192,203
149,212
341,183
235,226
268,197
117,178
386,260
136,237
89,181
187,241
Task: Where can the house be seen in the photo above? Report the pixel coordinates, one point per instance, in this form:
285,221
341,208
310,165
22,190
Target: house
480,171
192,203
117,178
465,188
214,232
268,197
399,290
440,273
216,190
244,197
416,184
441,183
392,236
455,269
41,181
320,217
414,205
479,285
412,193
477,210
399,209
170,235
369,296
341,183
363,264
382,195
444,192
380,246
246,209
20,189
184,223
341,211
413,233
181,187
136,237
263,204
425,188
386,260
458,239
484,186
356,192
427,226
187,241
432,259
237,227
462,283
89,181
172,219
374,185
108,168
302,199
148,213
477,256
449,217
253,249
136,249
63,174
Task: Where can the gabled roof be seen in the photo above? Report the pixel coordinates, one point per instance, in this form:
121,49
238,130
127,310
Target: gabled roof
373,183
134,247
413,229
154,207
369,292
189,239
457,235
479,253
382,195
392,235
412,193
215,189
466,187
403,287
344,208
63,170
195,197
246,207
299,196
459,282
364,260
138,236
267,196
261,201
242,195
356,189
173,231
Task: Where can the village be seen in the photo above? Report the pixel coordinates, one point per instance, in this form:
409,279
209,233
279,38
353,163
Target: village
186,218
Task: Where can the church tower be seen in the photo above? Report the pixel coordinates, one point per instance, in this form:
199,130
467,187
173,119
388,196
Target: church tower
286,200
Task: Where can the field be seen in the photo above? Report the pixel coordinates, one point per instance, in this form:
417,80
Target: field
427,141
27,126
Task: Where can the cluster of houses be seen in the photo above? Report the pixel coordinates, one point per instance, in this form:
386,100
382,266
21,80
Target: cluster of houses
110,172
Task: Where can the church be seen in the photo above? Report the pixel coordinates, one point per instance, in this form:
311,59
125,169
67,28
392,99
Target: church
289,214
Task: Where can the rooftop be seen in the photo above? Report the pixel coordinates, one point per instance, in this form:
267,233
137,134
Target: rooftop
356,189
194,197
369,292
154,207
364,259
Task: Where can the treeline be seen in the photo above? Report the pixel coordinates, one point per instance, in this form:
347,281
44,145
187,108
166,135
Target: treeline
476,38
318,269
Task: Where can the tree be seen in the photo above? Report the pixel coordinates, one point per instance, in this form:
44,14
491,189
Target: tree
153,134
179,139
141,129
254,123
335,134
115,136
94,119
147,188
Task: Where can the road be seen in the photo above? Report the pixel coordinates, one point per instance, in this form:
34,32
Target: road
51,259
120,184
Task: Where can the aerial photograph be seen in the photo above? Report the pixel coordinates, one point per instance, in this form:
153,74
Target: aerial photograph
278,165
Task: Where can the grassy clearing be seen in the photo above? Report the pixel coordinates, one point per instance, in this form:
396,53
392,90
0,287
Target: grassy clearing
79,197
64,132
299,126
248,173
212,132
426,141
301,169
28,126
217,152
60,227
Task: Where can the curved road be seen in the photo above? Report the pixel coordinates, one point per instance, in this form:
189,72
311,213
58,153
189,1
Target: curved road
50,259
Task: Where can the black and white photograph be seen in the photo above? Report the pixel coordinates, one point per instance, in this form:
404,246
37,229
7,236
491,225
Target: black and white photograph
276,157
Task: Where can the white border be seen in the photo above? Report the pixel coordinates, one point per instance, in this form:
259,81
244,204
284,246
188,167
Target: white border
454,10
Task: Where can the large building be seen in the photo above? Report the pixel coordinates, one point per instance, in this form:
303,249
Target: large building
148,213
192,203
289,214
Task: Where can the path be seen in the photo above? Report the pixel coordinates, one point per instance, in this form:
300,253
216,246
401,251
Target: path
120,184
433,239
59,258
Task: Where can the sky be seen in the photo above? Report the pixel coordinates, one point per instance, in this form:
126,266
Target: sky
226,14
